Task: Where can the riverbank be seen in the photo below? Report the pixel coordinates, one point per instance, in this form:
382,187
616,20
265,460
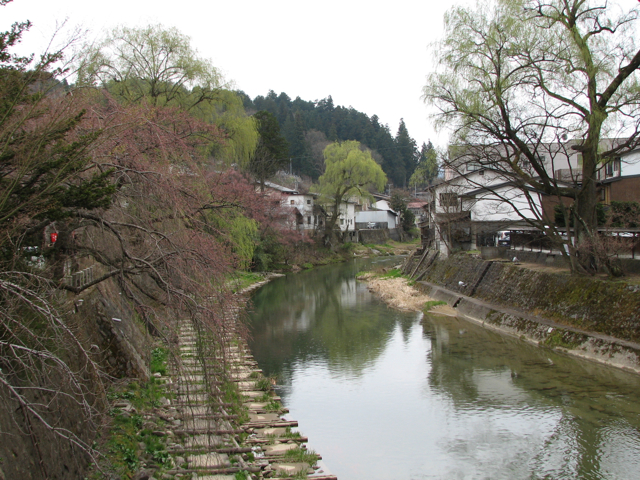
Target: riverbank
584,317
398,292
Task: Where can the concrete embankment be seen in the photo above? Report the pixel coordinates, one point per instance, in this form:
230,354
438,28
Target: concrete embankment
586,317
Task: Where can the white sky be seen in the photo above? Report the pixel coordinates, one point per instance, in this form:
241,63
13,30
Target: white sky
370,55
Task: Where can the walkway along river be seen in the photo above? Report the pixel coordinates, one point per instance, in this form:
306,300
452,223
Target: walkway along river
385,394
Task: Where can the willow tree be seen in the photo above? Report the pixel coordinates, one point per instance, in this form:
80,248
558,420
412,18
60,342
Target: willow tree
516,76
159,66
349,172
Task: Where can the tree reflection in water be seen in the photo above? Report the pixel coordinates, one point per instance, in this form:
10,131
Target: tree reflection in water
383,395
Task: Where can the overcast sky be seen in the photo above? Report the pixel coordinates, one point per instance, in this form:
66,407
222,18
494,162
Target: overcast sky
370,55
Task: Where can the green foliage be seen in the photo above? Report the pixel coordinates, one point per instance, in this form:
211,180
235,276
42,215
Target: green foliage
232,395
159,360
244,235
307,266
272,152
242,137
557,339
242,280
127,433
155,63
624,214
298,118
273,406
427,169
407,218
264,384
432,303
301,455
349,172
393,273
407,153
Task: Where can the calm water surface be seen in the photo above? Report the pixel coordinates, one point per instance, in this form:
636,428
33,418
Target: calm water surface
383,394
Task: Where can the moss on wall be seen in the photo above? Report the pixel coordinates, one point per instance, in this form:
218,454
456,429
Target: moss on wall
608,307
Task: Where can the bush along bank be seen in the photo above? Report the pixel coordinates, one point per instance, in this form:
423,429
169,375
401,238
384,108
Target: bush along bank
587,317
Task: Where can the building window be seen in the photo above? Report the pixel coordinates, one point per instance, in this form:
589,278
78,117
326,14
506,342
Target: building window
293,202
308,220
342,221
449,199
308,202
473,166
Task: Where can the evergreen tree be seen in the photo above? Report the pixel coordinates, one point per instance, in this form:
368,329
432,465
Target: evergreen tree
407,155
427,169
272,152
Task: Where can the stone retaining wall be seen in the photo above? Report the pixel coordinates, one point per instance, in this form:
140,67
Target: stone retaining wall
585,316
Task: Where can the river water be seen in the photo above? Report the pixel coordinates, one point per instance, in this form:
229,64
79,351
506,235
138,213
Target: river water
386,395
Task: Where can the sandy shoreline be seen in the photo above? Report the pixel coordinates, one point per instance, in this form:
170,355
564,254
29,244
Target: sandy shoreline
397,293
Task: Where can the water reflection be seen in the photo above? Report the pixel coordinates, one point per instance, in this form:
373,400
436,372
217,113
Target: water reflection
390,395
323,313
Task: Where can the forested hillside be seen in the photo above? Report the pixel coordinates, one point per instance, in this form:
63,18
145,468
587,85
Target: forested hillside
309,126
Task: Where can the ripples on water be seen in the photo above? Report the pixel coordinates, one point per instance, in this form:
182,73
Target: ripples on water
384,394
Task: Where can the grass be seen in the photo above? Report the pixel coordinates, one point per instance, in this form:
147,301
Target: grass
128,438
301,455
233,396
264,383
556,339
289,434
159,361
244,279
273,406
432,303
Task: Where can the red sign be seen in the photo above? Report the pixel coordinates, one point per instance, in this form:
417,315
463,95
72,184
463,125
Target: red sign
54,237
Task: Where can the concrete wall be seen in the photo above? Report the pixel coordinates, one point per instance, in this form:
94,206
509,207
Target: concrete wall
378,237
610,308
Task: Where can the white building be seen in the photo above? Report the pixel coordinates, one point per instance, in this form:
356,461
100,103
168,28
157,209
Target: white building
306,214
377,219
475,199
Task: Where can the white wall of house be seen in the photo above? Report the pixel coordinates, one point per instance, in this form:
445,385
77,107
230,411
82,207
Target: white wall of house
304,204
505,204
347,216
377,216
630,163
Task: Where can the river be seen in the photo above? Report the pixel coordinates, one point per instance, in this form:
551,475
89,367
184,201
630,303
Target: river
384,394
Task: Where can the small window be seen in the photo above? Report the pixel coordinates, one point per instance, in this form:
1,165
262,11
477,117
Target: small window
308,220
342,221
308,202
609,169
293,202
449,199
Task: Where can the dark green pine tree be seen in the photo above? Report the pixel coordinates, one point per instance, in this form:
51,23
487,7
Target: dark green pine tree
407,154
272,153
294,133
